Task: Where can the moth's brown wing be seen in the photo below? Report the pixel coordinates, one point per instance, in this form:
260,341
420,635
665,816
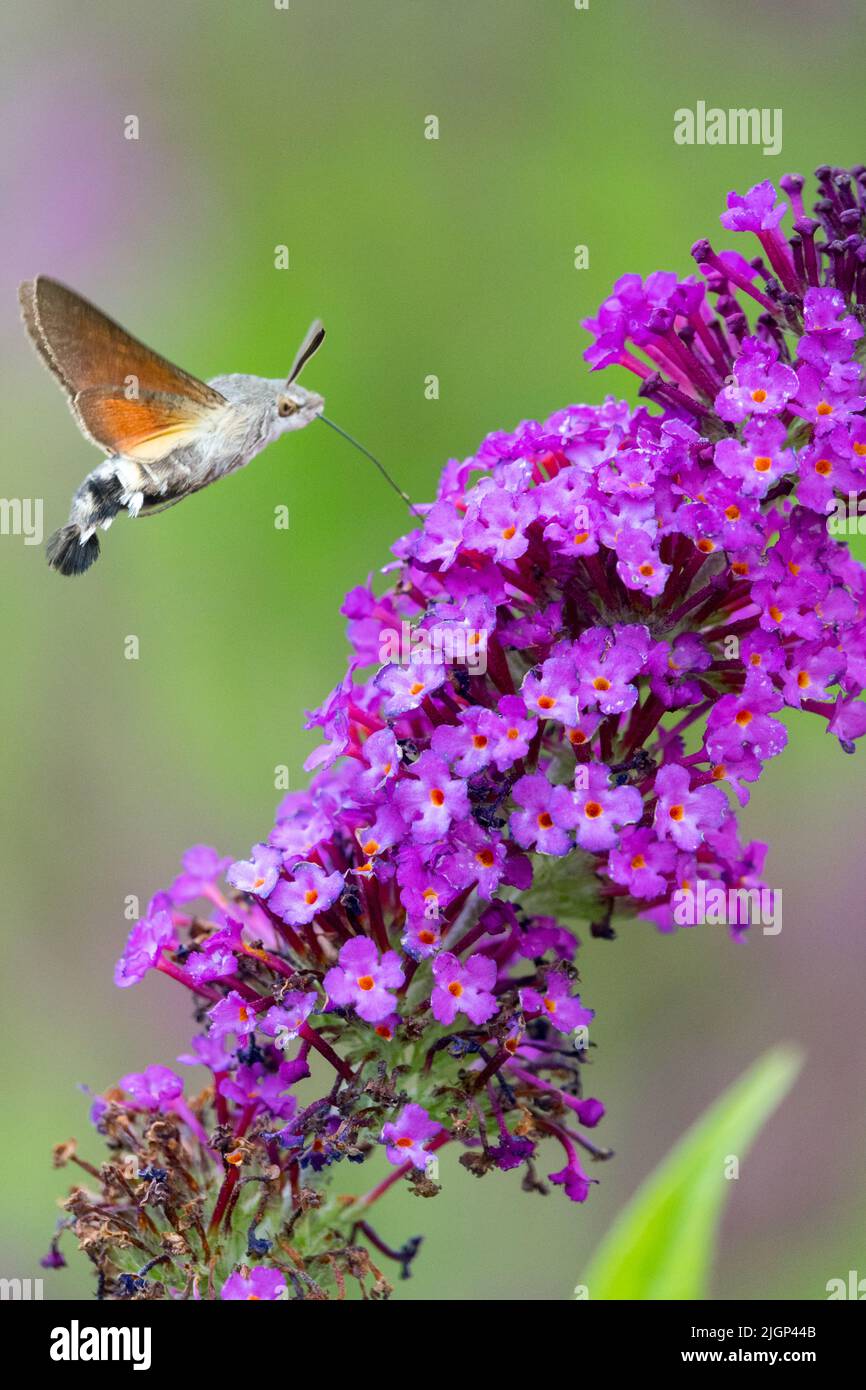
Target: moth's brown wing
86,349
145,428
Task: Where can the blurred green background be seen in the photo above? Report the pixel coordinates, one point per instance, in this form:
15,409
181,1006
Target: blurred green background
305,127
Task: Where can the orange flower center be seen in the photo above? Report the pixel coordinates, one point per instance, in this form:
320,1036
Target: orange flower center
416,687
638,862
732,512
545,820
455,988
804,679
824,467
479,741
601,683
592,809
310,897
676,813
545,702
706,546
762,463
744,718
366,982
824,408
759,396
509,533
437,796
486,858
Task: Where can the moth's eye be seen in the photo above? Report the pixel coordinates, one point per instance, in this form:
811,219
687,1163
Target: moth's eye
287,406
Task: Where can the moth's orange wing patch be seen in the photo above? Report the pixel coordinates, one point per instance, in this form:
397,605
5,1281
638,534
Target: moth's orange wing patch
146,427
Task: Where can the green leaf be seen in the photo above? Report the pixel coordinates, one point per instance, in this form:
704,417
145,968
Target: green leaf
661,1246
566,888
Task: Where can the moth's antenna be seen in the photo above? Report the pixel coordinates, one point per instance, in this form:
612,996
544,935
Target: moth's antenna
312,342
385,474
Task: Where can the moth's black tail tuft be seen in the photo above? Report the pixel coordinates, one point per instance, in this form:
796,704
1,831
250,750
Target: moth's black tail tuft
66,553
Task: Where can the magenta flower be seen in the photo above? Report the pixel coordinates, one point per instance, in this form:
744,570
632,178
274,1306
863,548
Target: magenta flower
363,980
682,815
201,867
642,863
146,943
407,687
155,1088
430,798
381,755
463,988
470,743
745,722
548,814
602,810
212,1053
761,386
309,891
255,1284
571,1178
756,463
757,211
232,1014
256,1085
563,1010
607,660
284,1021
551,690
654,587
405,1138
259,873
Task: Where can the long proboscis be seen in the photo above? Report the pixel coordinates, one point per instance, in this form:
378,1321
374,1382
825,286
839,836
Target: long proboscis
372,457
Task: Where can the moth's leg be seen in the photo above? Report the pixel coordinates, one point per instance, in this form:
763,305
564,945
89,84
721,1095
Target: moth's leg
138,482
174,484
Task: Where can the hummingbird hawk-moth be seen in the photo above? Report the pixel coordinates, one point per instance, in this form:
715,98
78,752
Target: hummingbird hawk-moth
166,434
